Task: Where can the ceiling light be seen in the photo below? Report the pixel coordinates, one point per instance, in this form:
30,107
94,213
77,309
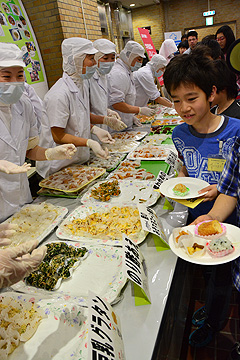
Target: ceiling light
132,5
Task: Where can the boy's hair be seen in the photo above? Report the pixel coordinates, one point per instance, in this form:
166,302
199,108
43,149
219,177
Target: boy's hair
214,46
183,44
202,50
192,33
189,69
226,79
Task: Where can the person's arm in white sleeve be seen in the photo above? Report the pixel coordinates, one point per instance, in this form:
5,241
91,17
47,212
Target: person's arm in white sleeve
112,121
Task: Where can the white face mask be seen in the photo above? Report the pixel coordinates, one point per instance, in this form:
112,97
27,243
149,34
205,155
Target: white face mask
158,73
105,67
10,92
136,66
90,70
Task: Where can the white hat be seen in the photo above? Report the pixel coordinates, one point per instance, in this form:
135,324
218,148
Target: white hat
75,50
10,55
167,48
131,50
157,62
103,46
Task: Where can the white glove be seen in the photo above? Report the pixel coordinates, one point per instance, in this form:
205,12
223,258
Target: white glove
16,262
10,168
6,231
114,123
97,149
146,111
103,135
60,152
113,113
136,121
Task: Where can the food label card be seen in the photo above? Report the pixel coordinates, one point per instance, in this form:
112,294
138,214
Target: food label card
134,268
150,222
104,332
162,176
171,158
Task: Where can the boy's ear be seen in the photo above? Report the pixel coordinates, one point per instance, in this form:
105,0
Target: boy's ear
213,93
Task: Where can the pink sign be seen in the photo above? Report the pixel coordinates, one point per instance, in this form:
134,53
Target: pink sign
150,49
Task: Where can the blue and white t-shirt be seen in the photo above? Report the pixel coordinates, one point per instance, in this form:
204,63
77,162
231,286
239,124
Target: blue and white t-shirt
195,148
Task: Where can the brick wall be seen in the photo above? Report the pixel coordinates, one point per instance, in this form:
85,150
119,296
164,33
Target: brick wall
149,16
182,15
53,21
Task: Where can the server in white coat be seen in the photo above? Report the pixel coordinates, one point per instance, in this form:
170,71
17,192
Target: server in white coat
66,112
98,86
18,132
144,82
122,92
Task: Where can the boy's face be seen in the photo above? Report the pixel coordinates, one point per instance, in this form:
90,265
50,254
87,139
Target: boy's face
191,104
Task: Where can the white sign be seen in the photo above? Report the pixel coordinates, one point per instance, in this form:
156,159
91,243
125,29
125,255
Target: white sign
150,222
174,35
104,332
162,176
171,159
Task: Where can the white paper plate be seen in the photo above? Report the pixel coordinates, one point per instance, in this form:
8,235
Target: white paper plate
193,184
62,335
131,191
101,272
157,155
84,210
122,146
233,234
131,135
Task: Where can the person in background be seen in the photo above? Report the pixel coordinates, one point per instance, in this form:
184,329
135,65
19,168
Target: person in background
66,111
98,86
19,135
202,50
36,102
144,82
182,46
184,37
192,38
167,49
122,92
225,37
191,82
224,101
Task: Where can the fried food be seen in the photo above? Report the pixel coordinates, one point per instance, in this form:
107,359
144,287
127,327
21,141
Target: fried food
210,228
180,189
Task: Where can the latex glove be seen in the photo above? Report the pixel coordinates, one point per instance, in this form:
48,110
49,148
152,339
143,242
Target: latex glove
146,111
113,113
6,231
60,152
103,135
17,262
97,149
10,168
114,123
136,121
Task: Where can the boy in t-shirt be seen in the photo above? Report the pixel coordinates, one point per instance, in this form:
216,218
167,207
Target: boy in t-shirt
190,80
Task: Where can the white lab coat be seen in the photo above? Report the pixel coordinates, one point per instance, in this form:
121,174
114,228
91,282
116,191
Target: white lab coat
37,103
122,89
98,92
67,107
14,188
145,87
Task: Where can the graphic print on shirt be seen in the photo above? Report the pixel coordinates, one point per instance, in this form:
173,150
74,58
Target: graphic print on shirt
196,164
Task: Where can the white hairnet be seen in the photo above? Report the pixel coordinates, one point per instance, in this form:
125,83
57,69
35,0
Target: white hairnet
103,46
131,50
74,51
167,48
157,62
10,55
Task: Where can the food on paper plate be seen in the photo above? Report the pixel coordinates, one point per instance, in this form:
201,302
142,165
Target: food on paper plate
107,224
106,190
210,228
220,247
180,189
19,321
58,264
181,233
194,248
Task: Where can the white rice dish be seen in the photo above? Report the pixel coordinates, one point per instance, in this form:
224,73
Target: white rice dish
220,247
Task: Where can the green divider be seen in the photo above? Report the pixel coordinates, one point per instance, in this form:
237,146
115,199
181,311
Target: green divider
154,166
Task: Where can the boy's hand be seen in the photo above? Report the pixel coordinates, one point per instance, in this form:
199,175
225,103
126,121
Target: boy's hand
212,192
201,218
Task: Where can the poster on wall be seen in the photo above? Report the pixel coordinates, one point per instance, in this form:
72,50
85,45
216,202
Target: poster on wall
15,28
174,35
